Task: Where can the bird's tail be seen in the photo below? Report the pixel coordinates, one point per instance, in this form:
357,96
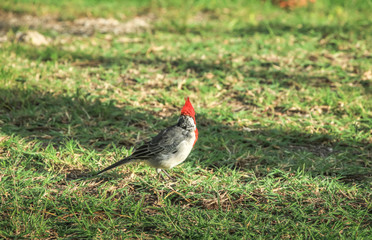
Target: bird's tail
121,162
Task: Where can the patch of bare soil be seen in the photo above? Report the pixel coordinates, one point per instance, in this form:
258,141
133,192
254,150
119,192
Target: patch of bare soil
32,37
318,150
80,26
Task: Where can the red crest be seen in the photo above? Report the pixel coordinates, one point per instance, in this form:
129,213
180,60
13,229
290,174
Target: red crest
188,109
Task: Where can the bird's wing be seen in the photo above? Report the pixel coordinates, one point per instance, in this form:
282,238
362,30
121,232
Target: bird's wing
165,142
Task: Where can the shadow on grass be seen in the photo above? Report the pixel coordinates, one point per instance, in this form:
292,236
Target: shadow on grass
52,119
263,148
278,28
265,71
274,28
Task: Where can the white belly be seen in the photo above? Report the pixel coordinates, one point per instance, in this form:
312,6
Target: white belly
173,159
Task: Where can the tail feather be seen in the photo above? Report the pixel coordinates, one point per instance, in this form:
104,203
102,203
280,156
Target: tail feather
121,162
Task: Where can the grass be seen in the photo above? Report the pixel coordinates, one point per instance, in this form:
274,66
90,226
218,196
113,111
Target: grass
283,111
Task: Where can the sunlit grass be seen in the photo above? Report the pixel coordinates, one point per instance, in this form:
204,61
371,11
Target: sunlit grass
283,111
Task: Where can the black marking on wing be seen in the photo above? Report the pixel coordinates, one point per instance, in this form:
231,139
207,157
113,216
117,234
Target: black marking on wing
165,142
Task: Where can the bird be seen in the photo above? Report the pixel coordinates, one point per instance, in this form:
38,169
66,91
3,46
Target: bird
170,147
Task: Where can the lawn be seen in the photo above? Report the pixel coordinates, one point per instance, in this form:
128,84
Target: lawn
284,112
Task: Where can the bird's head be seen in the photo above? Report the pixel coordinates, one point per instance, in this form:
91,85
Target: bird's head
188,109
186,122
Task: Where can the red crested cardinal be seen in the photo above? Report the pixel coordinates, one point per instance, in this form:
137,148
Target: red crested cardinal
170,147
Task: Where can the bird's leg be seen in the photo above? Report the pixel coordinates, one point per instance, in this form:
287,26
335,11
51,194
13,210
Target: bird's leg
158,170
167,174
